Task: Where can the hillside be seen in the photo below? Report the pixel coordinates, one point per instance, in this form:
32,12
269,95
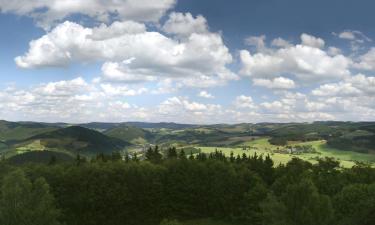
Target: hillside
15,131
173,126
348,136
130,134
92,138
361,139
40,157
99,126
74,140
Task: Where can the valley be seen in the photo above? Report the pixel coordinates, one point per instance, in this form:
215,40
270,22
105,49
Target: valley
346,142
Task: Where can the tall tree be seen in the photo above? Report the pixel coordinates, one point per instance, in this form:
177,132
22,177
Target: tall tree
172,153
25,203
182,155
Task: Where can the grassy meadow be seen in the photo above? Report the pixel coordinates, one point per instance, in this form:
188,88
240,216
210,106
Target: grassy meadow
262,146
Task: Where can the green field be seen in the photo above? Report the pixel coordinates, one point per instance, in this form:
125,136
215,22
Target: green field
262,146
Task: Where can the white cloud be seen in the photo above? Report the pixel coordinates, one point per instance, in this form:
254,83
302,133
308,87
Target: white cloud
333,51
46,13
312,41
279,42
276,83
205,94
347,35
359,85
367,61
71,101
181,109
257,41
79,101
119,105
275,107
131,52
244,102
120,90
114,71
335,89
185,24
117,29
185,104
353,35
305,63
63,88
356,39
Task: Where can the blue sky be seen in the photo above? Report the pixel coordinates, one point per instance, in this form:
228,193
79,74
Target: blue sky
187,61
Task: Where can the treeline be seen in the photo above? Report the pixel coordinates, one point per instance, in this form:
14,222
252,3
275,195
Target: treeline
363,144
177,186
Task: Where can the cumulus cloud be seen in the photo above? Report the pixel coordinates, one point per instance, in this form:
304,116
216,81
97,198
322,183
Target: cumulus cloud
77,100
46,13
205,94
279,42
275,107
333,51
355,37
73,100
305,63
182,109
184,24
119,90
114,71
312,41
359,85
276,83
349,35
180,53
257,41
63,88
131,52
244,102
367,61
294,107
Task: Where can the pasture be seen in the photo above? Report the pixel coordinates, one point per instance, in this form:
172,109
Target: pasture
261,146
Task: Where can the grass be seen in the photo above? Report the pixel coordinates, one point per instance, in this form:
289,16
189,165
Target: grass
277,157
262,146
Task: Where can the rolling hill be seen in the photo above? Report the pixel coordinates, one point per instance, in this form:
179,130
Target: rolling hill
73,140
92,138
15,131
173,126
130,134
40,157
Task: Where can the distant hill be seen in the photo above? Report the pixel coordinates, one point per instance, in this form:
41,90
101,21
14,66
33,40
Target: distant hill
100,126
160,125
40,157
359,139
74,139
347,136
134,135
144,125
95,137
15,131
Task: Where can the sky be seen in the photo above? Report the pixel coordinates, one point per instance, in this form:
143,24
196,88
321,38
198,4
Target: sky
195,61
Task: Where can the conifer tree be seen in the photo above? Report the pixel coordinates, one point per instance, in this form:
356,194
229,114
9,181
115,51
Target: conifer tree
172,153
25,203
182,155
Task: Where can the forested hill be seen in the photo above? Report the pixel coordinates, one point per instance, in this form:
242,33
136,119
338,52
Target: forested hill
181,190
92,138
78,139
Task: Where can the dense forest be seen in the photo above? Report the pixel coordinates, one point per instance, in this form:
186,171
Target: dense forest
177,187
